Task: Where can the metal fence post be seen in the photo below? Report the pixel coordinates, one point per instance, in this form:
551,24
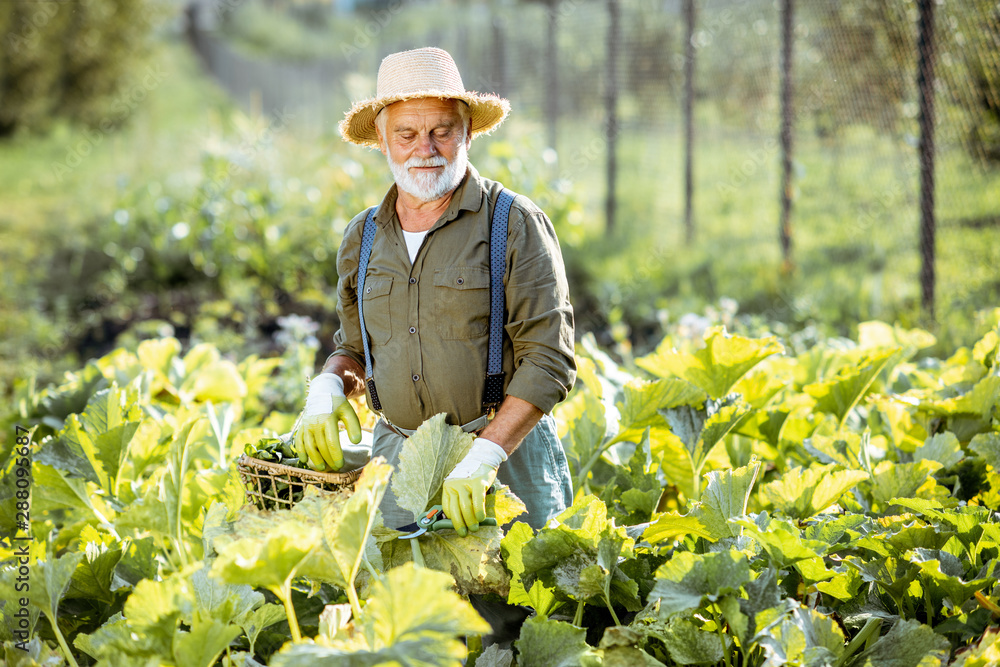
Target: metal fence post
925,85
787,37
611,100
552,79
688,119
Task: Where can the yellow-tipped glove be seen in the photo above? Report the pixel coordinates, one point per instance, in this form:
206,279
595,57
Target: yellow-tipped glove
318,435
463,496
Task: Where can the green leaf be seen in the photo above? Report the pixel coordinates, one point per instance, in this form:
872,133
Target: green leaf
425,460
943,448
980,401
535,595
782,540
160,604
723,417
806,638
725,497
803,493
945,574
687,580
474,560
987,445
221,601
50,579
908,644
690,645
504,506
587,431
671,526
61,490
158,354
700,429
840,394
93,576
577,555
549,643
259,619
428,631
716,367
643,400
494,656
633,494
899,480
115,639
351,535
202,645
95,444
412,617
268,560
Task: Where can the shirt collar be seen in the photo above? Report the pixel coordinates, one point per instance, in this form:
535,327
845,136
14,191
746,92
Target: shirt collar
468,197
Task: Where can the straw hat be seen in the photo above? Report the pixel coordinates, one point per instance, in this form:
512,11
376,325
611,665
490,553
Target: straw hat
407,75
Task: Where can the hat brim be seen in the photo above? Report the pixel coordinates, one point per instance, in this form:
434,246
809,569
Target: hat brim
486,112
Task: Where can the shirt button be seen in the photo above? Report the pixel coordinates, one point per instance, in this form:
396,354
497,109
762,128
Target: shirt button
368,290
413,330
413,281
415,378
460,281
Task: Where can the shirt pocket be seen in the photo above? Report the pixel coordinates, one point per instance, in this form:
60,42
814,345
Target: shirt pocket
462,302
376,305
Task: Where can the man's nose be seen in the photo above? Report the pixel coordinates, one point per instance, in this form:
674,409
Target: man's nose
425,146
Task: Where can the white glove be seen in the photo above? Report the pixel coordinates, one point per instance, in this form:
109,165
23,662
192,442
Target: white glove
483,451
319,397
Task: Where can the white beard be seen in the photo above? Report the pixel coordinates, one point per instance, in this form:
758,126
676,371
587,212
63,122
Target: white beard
429,187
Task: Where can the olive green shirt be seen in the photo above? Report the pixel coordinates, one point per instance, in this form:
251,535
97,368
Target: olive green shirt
428,321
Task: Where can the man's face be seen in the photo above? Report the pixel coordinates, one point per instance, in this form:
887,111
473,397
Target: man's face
426,145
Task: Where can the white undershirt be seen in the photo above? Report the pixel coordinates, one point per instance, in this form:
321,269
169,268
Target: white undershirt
413,241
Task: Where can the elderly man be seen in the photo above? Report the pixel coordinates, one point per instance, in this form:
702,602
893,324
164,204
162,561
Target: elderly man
419,342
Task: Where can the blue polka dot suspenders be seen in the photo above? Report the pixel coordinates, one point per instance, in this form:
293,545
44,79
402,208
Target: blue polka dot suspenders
493,389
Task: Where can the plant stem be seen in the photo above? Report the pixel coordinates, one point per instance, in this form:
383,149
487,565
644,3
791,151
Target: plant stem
581,481
62,642
352,597
371,569
578,618
872,626
612,610
722,636
285,593
418,556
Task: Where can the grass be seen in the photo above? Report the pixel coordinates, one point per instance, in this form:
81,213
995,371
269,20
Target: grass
855,216
855,226
52,184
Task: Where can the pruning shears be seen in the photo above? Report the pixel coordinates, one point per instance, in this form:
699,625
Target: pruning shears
435,519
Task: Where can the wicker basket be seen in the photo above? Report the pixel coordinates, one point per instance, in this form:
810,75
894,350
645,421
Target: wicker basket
261,479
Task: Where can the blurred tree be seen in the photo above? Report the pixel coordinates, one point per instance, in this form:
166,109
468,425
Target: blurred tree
86,61
972,42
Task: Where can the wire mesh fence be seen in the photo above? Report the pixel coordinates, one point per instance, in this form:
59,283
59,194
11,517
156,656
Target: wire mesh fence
854,186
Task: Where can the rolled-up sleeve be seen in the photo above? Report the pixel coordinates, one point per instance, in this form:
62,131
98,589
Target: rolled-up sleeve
347,339
540,316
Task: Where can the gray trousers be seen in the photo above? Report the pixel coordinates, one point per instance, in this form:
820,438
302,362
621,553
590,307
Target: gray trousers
537,472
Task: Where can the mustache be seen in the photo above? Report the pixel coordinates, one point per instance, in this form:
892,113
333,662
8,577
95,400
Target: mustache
436,161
